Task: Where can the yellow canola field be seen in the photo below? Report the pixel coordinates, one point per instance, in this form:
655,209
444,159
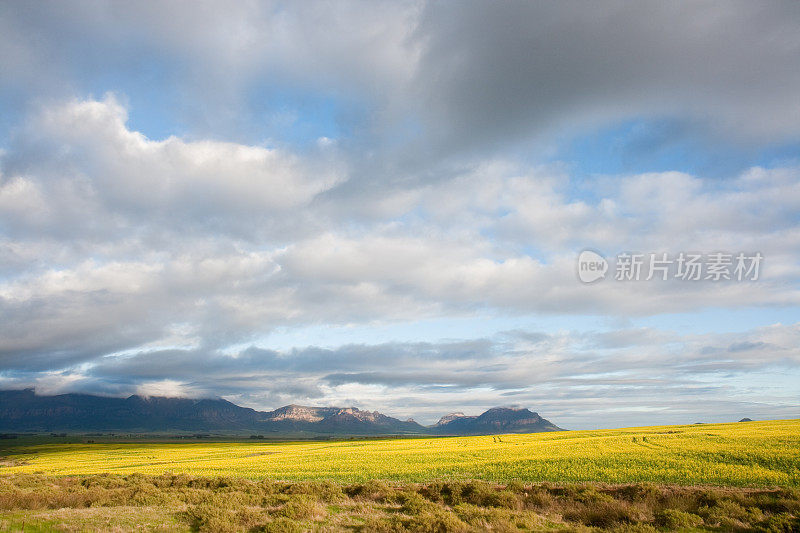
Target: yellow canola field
737,454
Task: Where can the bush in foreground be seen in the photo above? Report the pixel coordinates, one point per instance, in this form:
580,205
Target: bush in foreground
185,503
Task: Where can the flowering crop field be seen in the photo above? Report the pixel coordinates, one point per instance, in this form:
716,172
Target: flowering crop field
736,454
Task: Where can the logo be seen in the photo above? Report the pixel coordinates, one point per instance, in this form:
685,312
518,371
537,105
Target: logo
662,266
591,266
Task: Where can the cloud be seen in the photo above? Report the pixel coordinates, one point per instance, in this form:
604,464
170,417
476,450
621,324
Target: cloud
564,372
494,73
206,60
471,76
117,242
248,174
93,167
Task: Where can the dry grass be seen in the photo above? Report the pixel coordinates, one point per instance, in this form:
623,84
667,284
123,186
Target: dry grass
183,503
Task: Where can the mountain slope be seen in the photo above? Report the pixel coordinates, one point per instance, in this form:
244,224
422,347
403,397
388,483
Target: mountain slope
446,419
24,411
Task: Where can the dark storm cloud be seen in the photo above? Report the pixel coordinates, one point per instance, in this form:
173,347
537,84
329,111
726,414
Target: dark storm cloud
492,72
471,74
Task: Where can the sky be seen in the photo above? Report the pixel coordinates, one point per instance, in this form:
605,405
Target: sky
382,204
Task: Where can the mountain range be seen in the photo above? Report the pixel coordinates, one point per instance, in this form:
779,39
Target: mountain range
25,411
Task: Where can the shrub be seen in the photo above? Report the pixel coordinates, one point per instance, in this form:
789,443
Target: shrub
538,498
676,519
208,517
779,523
301,507
413,503
517,487
605,514
640,492
731,515
282,525
438,520
108,481
326,491
225,511
481,493
495,519
373,490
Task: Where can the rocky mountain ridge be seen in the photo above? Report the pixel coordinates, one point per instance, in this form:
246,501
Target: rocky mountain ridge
25,411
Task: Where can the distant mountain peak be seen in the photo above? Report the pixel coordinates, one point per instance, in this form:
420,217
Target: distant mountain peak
449,418
493,421
300,413
509,412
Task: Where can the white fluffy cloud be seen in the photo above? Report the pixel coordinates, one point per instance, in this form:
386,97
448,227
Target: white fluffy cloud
77,164
117,240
